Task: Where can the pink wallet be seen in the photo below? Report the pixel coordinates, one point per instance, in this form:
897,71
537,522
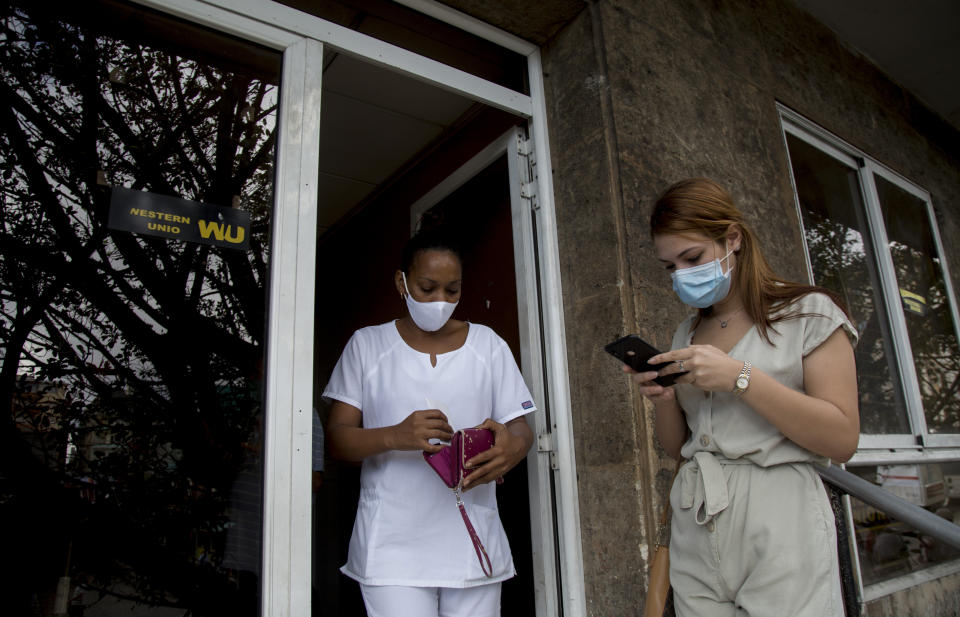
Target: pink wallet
450,462
450,465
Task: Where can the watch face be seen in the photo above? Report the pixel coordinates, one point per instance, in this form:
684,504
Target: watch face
742,382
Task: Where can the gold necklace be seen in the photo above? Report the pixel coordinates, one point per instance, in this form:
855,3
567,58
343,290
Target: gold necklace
724,322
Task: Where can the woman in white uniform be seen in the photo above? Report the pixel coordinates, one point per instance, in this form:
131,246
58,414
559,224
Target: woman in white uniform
398,388
769,391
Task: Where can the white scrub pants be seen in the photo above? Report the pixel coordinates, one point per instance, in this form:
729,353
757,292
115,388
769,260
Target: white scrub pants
393,601
749,541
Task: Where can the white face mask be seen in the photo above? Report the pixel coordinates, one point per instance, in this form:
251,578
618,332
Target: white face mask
429,316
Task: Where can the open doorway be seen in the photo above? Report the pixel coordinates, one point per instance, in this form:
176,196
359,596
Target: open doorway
386,140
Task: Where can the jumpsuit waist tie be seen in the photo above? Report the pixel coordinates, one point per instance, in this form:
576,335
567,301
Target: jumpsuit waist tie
703,486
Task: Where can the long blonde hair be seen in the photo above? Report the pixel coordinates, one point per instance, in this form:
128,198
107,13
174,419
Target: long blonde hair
701,206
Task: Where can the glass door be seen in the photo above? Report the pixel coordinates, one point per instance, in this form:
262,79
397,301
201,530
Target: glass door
137,219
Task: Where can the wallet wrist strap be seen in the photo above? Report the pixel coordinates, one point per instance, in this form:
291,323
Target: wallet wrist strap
477,544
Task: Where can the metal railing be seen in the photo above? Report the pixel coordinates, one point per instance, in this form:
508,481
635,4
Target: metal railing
841,481
922,520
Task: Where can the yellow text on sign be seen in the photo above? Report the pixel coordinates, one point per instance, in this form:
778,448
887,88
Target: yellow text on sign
913,302
220,231
161,216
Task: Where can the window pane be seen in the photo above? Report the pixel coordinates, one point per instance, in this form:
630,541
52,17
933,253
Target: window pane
890,548
132,360
926,305
841,254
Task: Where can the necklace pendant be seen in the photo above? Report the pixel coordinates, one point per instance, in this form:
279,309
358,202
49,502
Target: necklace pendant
723,324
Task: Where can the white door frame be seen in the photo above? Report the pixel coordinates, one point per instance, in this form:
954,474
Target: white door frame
289,379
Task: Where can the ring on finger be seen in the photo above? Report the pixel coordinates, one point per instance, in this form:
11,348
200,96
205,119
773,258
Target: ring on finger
680,364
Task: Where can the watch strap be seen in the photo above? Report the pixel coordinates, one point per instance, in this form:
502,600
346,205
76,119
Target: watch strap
743,379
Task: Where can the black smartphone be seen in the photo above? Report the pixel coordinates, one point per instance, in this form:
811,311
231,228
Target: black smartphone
634,352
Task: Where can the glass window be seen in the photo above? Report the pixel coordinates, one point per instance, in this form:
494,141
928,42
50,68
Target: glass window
878,248
926,304
842,258
137,186
890,548
870,236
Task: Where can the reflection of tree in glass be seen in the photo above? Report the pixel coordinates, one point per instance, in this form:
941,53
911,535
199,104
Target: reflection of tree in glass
932,338
839,262
147,347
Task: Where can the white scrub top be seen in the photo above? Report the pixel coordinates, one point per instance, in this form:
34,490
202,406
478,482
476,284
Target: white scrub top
408,529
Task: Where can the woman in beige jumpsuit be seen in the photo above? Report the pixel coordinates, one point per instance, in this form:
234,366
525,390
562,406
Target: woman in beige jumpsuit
769,391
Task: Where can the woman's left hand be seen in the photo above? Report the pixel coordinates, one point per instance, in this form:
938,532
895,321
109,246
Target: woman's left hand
511,442
707,367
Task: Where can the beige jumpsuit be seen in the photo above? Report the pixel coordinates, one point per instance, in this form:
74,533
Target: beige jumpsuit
752,529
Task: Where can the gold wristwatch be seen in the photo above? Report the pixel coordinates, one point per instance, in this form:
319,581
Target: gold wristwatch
743,379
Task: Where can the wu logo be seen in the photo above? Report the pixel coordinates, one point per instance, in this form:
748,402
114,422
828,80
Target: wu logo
220,231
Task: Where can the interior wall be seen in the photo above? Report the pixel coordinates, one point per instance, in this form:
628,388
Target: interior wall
362,252
640,95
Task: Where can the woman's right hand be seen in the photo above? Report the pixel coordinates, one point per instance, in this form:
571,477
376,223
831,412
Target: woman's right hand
417,429
652,390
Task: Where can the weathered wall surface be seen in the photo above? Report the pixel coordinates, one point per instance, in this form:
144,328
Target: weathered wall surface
610,429
641,94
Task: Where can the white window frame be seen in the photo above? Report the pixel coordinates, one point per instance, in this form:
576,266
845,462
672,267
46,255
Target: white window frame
919,447
289,379
919,444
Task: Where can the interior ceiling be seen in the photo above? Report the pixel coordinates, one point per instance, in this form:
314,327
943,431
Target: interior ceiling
372,122
916,43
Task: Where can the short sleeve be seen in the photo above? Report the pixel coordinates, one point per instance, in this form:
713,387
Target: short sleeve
511,397
346,381
822,318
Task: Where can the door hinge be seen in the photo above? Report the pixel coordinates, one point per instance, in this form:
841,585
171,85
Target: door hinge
528,171
547,444
528,190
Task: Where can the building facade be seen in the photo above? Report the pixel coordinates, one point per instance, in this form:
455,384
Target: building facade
165,346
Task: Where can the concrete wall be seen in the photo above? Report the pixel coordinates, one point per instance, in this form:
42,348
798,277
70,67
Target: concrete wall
641,94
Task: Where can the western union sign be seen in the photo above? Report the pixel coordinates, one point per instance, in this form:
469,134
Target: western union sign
178,219
913,302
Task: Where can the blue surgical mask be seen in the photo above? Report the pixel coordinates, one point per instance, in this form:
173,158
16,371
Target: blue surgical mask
704,285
